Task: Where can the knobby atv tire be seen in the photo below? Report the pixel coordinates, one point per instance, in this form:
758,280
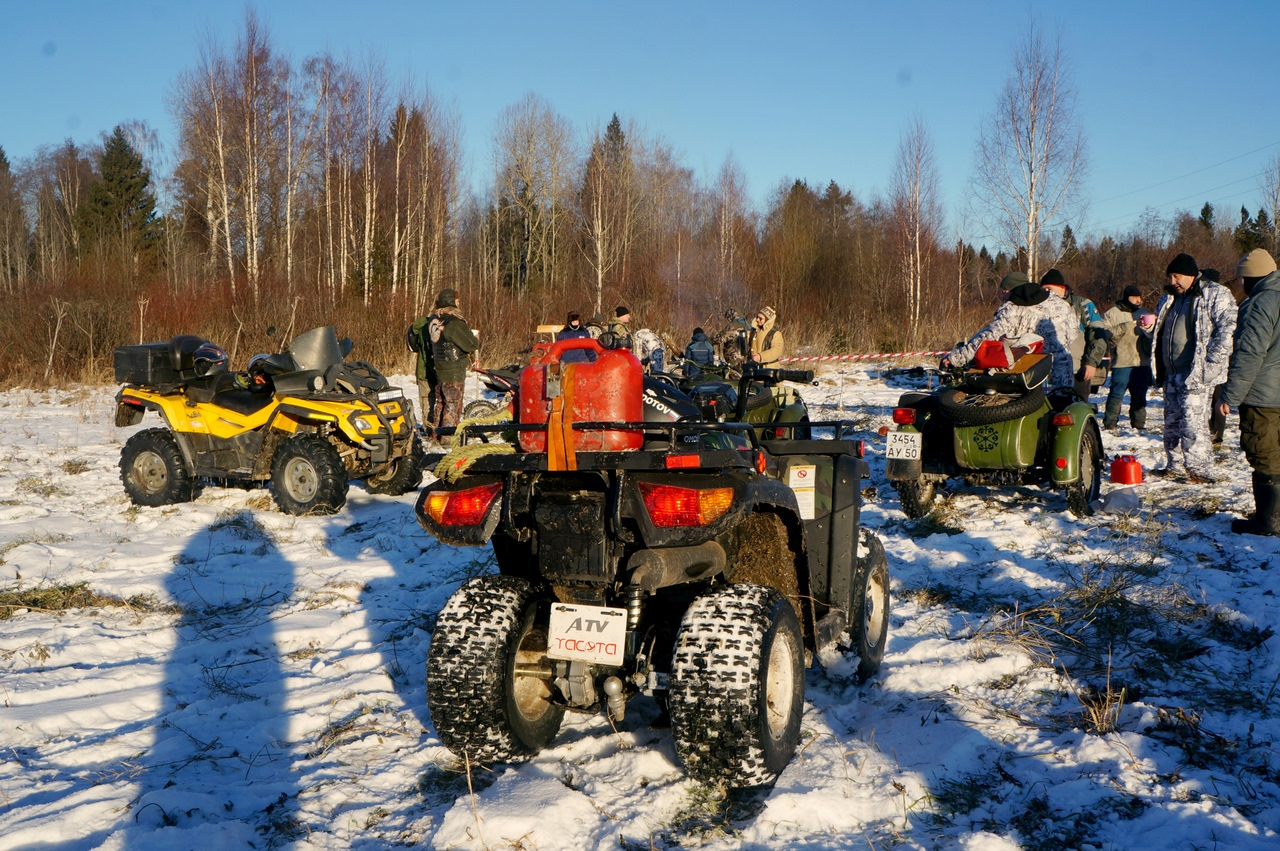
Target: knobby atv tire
308,477
971,409
153,470
737,686
478,408
916,496
403,475
869,629
1081,494
479,706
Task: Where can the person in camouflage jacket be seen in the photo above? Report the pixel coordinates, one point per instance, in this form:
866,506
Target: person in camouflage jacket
1195,321
1029,309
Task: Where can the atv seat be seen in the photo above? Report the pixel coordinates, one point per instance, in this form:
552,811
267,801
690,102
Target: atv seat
221,390
1027,373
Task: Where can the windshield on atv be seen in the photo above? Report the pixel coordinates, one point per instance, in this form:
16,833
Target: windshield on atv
317,349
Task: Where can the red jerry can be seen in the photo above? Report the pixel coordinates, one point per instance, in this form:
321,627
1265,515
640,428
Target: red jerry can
1125,470
608,389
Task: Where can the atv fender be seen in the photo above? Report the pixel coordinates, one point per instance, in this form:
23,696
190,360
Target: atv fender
1066,442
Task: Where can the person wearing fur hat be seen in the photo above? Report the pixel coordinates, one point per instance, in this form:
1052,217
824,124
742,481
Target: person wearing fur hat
1253,385
1130,361
1194,323
1028,309
1090,347
766,338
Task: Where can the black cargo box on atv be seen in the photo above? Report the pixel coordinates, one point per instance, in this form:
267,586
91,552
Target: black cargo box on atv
149,363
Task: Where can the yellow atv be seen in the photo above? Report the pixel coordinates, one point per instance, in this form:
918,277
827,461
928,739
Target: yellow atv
305,420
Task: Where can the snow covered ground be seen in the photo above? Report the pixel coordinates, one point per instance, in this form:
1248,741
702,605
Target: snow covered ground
264,685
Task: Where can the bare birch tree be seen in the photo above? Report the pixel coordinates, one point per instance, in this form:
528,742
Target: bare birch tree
1031,154
917,215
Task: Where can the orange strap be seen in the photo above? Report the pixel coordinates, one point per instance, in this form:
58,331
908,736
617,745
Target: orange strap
561,453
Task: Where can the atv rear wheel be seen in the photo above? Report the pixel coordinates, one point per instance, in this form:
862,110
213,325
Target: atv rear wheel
1081,494
153,470
870,627
916,496
483,694
308,477
737,686
403,475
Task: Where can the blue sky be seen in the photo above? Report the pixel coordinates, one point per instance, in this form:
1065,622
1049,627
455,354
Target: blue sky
1177,98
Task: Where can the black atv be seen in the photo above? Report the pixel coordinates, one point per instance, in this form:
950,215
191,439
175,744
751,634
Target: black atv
704,570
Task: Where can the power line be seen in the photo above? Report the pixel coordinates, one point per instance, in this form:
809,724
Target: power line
1188,174
1180,200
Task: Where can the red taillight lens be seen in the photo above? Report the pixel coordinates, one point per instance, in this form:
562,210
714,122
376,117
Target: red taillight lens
669,505
677,462
904,416
1063,420
762,463
462,508
862,448
1061,463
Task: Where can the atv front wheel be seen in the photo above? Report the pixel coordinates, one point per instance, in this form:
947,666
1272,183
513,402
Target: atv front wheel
485,694
916,496
1081,494
153,470
308,477
870,627
737,686
403,475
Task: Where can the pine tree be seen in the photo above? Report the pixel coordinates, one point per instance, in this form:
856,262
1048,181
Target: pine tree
1247,234
119,216
1068,248
1206,216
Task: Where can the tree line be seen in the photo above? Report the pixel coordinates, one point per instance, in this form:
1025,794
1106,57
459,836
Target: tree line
321,192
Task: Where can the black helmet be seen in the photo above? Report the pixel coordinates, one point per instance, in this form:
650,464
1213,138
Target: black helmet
209,360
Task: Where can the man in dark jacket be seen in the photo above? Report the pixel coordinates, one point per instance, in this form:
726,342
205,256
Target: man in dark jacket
574,330
1253,384
452,344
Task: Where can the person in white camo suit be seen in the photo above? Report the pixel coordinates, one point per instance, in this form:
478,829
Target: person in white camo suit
1195,321
1028,309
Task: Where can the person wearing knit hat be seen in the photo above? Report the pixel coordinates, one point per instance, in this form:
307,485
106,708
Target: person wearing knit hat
1253,385
1194,323
1090,347
1130,360
619,329
1028,309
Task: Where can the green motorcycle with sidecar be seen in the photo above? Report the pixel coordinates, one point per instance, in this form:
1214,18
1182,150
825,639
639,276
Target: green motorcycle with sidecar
995,426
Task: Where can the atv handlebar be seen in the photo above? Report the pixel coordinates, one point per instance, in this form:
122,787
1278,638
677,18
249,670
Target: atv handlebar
770,375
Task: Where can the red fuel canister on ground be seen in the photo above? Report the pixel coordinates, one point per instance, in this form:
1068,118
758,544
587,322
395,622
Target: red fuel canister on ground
1126,470
608,389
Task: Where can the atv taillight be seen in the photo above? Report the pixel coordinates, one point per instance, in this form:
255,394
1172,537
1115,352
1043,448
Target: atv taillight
861,448
762,462
669,505
462,508
904,416
675,462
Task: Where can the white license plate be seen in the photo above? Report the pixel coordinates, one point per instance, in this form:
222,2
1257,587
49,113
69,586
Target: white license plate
587,634
903,445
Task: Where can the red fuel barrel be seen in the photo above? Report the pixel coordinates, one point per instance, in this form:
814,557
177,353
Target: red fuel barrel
609,389
1125,470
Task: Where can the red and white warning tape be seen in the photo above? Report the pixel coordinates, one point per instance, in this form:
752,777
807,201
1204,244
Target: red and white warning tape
864,357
